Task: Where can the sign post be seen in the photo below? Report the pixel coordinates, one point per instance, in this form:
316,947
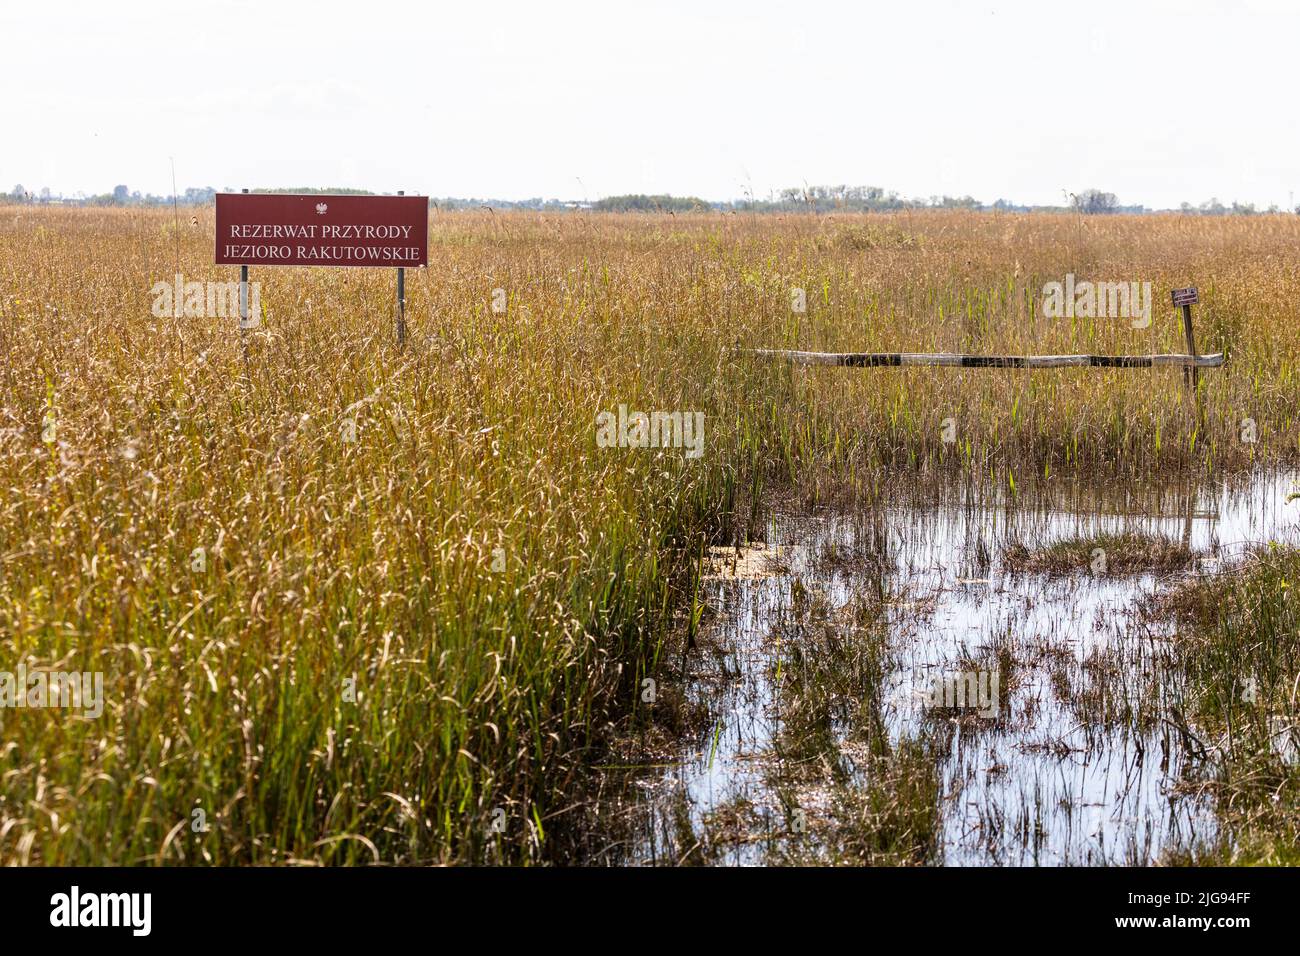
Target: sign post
1188,298
243,296
401,300
277,229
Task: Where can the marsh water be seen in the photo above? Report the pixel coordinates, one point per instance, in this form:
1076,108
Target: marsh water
1064,750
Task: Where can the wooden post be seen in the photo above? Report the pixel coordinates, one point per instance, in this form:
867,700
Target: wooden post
1187,298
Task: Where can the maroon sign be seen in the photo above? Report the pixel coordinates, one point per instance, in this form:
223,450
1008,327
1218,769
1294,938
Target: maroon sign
1186,297
266,229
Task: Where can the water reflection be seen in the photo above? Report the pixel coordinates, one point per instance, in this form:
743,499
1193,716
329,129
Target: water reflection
1072,761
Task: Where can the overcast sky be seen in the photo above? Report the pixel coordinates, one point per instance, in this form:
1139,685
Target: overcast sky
1158,102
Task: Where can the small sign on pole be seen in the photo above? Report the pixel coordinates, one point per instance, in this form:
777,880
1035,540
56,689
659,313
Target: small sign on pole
1186,298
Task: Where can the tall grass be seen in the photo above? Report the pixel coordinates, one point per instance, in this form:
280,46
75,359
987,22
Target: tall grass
1240,650
340,675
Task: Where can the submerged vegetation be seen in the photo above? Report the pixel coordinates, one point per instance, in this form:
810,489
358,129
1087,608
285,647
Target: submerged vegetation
358,604
1123,553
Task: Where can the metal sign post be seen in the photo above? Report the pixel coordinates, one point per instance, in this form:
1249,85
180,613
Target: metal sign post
243,297
401,300
1188,298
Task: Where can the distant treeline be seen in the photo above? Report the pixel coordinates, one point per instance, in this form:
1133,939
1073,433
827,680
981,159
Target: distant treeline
642,203
819,199
125,196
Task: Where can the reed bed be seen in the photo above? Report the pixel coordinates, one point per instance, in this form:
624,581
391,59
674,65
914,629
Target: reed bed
1240,649
356,604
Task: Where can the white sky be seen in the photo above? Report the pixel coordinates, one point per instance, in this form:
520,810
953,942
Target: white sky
1155,101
